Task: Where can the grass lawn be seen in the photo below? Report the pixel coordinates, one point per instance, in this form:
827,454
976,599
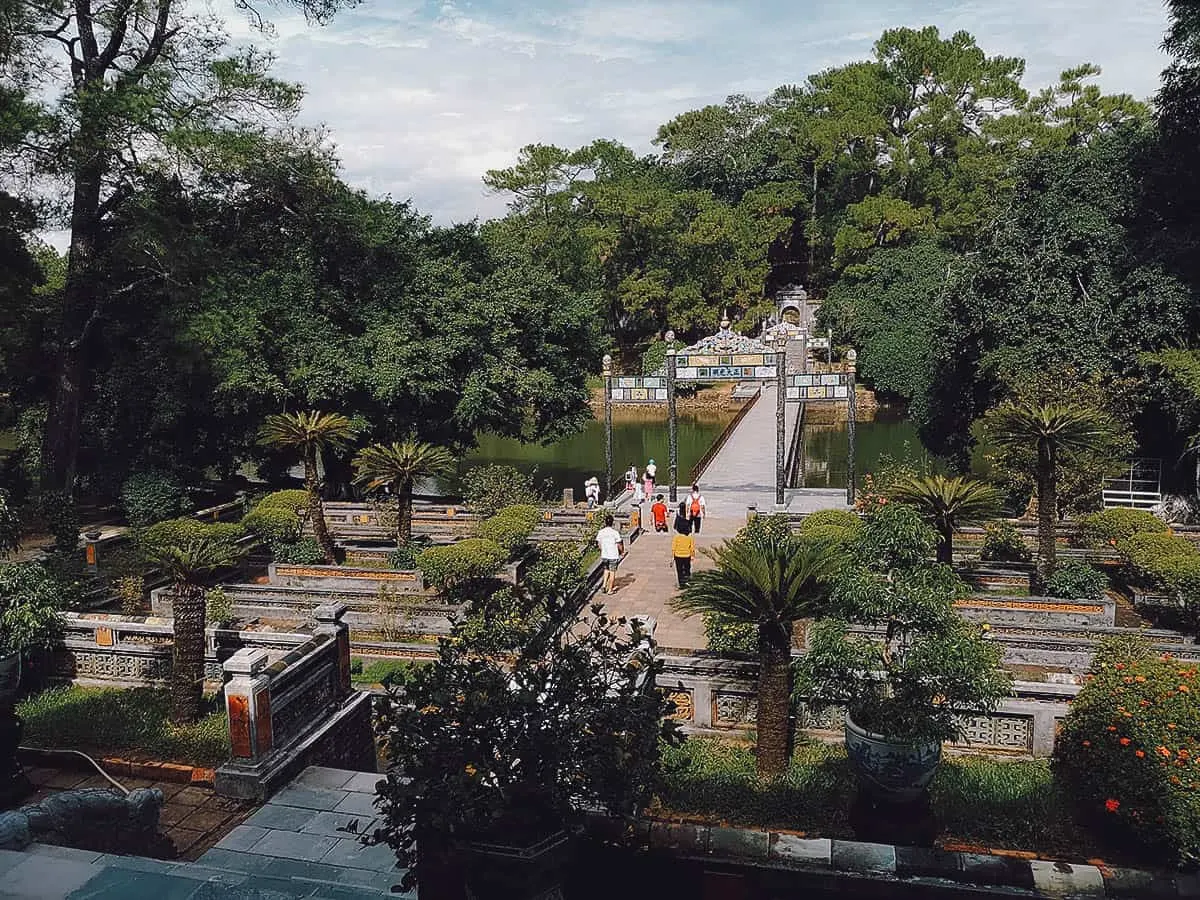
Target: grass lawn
380,671
1013,805
115,721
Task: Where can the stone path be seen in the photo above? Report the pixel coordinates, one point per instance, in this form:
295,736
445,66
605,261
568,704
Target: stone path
302,843
646,582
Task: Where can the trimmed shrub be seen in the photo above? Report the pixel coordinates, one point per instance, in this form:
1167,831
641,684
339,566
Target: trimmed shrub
465,561
840,517
488,489
556,572
294,499
180,531
273,523
1129,750
727,635
510,527
306,552
1003,543
1077,581
130,590
57,511
1165,560
1112,526
832,536
761,531
152,496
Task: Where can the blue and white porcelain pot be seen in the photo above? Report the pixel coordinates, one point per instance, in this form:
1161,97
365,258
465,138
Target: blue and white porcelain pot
897,772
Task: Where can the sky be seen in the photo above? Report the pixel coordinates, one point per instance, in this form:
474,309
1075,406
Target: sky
421,98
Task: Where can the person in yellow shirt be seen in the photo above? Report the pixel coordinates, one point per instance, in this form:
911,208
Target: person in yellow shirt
683,550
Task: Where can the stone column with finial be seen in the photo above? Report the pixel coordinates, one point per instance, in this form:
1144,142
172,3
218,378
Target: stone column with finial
672,438
780,428
608,449
851,417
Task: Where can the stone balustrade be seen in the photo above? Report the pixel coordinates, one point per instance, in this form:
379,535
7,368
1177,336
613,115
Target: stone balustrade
719,695
297,711
135,651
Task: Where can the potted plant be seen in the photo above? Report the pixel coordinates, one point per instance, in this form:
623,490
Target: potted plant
897,655
497,749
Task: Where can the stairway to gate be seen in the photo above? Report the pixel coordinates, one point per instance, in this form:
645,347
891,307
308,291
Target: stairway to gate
743,471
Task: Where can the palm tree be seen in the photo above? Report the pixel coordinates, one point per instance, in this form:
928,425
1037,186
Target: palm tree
186,562
398,466
1049,428
770,583
310,431
947,503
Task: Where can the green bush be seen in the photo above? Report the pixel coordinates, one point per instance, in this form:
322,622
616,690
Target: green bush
836,537
840,517
381,671
152,496
1164,560
273,523
557,571
61,519
305,552
465,561
30,600
404,558
1112,526
510,527
1077,581
488,489
1003,543
1129,749
10,525
131,591
762,531
724,634
218,607
111,721
294,499
174,532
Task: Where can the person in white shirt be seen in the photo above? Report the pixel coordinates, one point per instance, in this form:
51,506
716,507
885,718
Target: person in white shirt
591,490
612,548
696,508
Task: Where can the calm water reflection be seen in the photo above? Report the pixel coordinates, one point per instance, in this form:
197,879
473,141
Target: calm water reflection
639,435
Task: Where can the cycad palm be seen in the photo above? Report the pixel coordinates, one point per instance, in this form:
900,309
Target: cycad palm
310,432
398,466
186,563
770,584
1049,429
947,503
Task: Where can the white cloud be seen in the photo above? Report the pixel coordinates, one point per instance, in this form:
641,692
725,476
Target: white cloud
422,98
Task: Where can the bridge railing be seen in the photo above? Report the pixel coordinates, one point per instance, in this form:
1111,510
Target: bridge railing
711,453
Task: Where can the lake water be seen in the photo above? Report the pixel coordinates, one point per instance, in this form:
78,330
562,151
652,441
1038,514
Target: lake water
641,435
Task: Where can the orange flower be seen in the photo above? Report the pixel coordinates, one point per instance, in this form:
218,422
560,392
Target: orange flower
1171,725
1119,666
1087,743
1125,742
1112,727
1139,753
1183,689
1112,805
1164,752
1140,678
1183,753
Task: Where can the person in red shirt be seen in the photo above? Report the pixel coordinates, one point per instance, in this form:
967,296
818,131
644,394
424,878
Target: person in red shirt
659,512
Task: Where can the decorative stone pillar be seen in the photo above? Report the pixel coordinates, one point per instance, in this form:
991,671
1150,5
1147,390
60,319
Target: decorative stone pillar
672,439
91,551
248,706
329,621
751,512
780,429
608,449
851,416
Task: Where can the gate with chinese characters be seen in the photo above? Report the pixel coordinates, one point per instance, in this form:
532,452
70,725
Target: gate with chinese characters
729,357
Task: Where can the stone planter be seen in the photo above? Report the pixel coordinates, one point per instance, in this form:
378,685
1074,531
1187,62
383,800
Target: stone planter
895,772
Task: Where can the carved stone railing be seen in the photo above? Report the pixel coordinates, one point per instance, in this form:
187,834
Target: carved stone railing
717,694
300,710
135,651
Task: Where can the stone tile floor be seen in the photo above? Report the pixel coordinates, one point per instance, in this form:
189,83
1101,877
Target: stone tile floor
193,818
302,843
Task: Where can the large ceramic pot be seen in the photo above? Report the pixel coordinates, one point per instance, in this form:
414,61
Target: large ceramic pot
896,772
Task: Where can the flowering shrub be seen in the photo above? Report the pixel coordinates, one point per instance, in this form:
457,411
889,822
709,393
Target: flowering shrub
1129,750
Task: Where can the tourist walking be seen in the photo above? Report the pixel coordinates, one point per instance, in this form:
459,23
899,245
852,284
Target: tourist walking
648,476
683,551
696,508
633,484
612,548
658,512
591,490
